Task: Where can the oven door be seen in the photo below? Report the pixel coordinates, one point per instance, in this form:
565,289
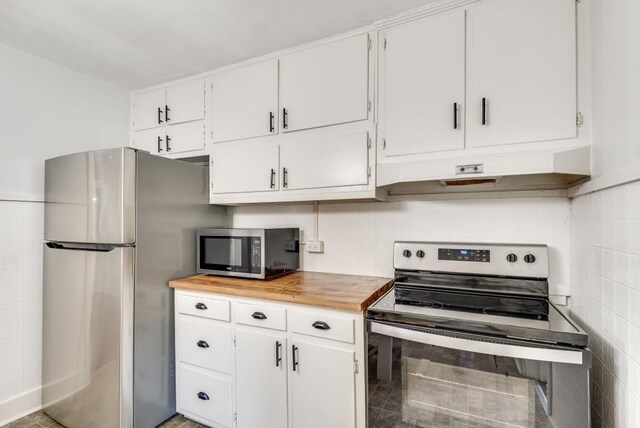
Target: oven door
426,378
229,255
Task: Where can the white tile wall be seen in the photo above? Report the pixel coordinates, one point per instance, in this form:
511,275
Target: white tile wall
605,286
21,239
359,236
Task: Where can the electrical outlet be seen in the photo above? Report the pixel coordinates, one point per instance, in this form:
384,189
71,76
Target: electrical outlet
315,246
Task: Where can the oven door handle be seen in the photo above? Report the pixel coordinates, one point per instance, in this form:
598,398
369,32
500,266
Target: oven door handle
498,349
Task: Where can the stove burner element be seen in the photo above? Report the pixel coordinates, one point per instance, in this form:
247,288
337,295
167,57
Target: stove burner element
512,310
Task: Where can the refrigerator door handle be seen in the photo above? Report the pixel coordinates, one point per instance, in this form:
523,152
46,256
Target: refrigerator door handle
104,248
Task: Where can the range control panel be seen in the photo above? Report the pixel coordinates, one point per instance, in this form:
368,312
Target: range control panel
518,260
464,255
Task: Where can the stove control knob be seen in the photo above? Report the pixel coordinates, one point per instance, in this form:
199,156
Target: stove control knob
512,258
406,253
420,254
529,258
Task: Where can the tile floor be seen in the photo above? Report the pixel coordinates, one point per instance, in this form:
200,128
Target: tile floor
40,420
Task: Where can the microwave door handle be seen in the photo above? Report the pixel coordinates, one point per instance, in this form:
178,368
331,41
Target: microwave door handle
498,349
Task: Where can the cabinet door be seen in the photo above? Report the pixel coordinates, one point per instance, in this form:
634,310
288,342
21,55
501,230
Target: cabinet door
245,102
150,140
185,137
185,102
318,159
148,109
245,166
522,62
323,386
325,85
424,84
261,380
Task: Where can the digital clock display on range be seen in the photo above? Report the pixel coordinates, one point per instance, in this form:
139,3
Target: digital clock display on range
464,255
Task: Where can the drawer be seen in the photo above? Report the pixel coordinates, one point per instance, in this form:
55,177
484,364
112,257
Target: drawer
205,395
203,307
204,343
261,316
322,325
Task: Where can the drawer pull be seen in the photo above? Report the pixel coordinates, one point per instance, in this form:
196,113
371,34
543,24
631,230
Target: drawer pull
203,396
202,344
321,325
278,356
201,306
258,316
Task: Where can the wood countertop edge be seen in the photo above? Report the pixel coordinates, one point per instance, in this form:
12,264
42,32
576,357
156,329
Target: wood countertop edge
301,299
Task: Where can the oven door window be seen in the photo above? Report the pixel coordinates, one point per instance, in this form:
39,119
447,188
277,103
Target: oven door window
226,253
433,386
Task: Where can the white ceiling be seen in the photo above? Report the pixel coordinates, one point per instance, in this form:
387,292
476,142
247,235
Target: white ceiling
139,43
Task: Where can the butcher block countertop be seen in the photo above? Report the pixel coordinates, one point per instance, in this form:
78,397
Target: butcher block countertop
336,291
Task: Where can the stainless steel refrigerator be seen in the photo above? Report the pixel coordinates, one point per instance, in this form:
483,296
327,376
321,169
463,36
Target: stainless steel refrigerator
119,224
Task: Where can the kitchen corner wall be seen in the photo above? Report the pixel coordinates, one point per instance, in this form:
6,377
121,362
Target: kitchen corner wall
605,284
359,237
47,111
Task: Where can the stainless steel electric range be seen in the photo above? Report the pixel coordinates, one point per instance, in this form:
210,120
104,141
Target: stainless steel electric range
469,338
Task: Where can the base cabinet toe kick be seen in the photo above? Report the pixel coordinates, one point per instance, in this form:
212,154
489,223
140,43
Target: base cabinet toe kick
256,363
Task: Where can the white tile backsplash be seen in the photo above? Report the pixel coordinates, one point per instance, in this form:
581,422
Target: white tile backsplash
359,237
605,298
21,240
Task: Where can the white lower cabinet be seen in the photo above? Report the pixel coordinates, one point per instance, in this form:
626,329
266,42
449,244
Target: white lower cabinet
261,379
304,369
323,385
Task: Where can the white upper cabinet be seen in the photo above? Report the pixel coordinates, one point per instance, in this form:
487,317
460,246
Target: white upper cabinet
148,109
325,85
184,137
423,85
321,159
150,140
245,102
244,166
521,71
185,102
168,106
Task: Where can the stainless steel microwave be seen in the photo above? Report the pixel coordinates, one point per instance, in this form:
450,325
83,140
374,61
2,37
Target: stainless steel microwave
248,253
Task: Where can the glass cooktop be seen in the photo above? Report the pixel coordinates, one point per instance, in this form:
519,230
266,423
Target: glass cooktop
499,315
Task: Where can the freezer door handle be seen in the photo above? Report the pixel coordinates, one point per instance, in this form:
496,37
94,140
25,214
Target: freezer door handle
490,348
104,248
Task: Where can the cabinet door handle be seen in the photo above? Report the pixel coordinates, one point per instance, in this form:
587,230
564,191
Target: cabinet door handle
258,316
285,177
166,113
159,144
273,178
484,111
285,118
321,325
278,356
168,141
202,344
455,115
203,396
294,352
159,115
201,306
271,124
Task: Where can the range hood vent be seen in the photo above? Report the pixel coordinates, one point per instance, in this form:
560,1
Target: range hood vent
546,169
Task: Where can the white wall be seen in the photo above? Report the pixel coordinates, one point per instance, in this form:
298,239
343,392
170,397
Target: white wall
605,248
605,286
45,110
359,236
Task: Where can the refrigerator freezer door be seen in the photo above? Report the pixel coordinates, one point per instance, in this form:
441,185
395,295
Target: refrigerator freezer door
90,197
88,335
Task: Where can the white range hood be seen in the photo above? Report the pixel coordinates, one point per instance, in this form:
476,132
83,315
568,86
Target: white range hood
543,169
